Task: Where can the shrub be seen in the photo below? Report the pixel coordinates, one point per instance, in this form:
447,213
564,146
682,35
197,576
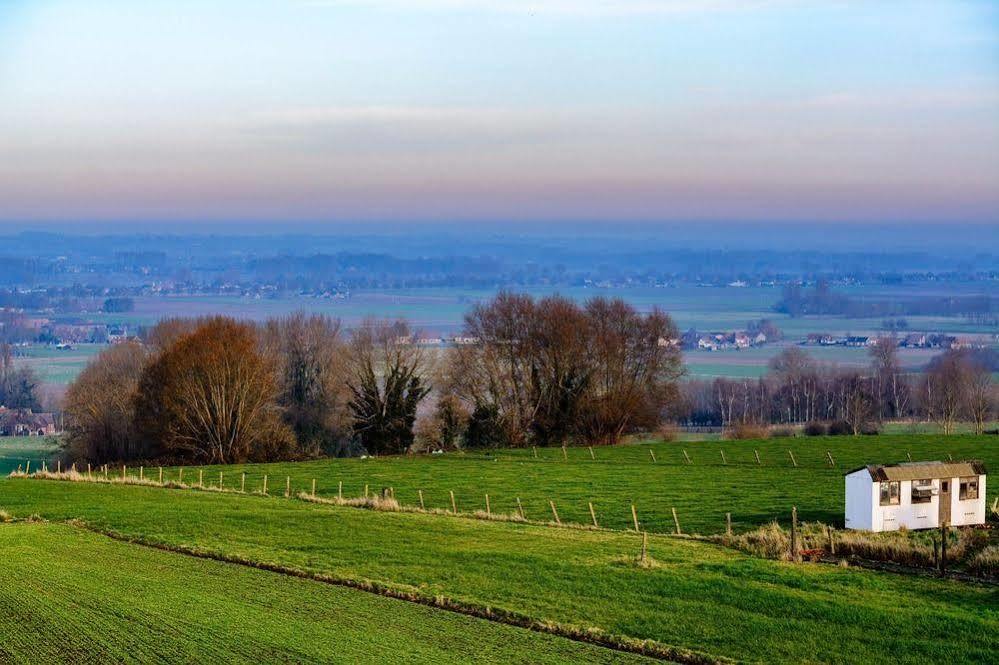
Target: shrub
840,428
985,562
747,431
783,432
668,432
815,429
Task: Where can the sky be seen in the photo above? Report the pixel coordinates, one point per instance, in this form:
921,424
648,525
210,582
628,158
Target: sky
630,111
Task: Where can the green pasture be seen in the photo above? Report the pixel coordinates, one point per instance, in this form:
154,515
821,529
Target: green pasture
701,492
17,450
693,594
70,596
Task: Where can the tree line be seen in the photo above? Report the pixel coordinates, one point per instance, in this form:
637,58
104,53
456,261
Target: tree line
956,386
218,390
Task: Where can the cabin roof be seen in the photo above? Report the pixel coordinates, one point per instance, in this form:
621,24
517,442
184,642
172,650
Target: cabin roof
922,470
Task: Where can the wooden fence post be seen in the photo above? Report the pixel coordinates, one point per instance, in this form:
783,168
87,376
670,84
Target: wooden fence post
265,483
287,486
554,512
489,510
676,521
565,454
757,454
181,481
161,473
687,457
124,470
653,455
634,517
593,515
728,525
592,456
454,506
142,473
795,557
645,545
943,548
90,475
724,461
520,509
365,490
59,466
793,461
422,505
535,450
339,490
201,477
242,483
832,541
27,467
221,482
313,488
832,462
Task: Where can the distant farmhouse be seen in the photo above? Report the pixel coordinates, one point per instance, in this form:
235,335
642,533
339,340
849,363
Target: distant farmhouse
24,422
915,495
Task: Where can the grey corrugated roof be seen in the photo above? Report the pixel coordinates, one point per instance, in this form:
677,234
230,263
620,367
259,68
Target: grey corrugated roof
923,470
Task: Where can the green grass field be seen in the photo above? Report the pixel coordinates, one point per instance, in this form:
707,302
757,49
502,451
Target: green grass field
701,492
68,596
697,595
16,450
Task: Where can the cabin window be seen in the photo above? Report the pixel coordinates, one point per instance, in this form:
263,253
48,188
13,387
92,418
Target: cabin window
945,486
922,491
889,493
969,488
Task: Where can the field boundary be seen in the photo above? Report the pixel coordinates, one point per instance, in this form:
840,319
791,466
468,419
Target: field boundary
588,635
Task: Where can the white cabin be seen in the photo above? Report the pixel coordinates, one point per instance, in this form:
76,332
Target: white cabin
915,495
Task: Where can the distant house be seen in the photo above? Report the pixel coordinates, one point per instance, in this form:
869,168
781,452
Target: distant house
915,495
858,341
914,341
24,422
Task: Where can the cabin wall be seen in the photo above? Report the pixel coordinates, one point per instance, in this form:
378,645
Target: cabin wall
860,501
969,511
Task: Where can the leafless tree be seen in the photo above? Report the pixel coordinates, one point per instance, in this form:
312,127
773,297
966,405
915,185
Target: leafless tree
100,407
211,396
312,370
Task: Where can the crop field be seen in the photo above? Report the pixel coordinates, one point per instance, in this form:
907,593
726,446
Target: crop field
690,595
57,366
68,595
442,309
702,492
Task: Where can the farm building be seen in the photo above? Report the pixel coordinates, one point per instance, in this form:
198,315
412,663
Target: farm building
915,495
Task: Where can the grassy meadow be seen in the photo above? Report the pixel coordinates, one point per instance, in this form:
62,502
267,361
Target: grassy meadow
702,492
692,595
68,596
16,450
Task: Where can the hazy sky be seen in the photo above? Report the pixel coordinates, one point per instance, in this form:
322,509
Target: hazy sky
866,110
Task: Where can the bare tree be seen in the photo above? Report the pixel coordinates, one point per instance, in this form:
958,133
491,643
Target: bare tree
636,363
891,388
100,407
946,386
981,394
312,372
211,396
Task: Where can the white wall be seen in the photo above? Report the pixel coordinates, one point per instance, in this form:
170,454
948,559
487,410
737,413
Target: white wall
859,498
969,511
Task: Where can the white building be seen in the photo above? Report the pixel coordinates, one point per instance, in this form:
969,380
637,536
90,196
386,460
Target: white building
916,495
